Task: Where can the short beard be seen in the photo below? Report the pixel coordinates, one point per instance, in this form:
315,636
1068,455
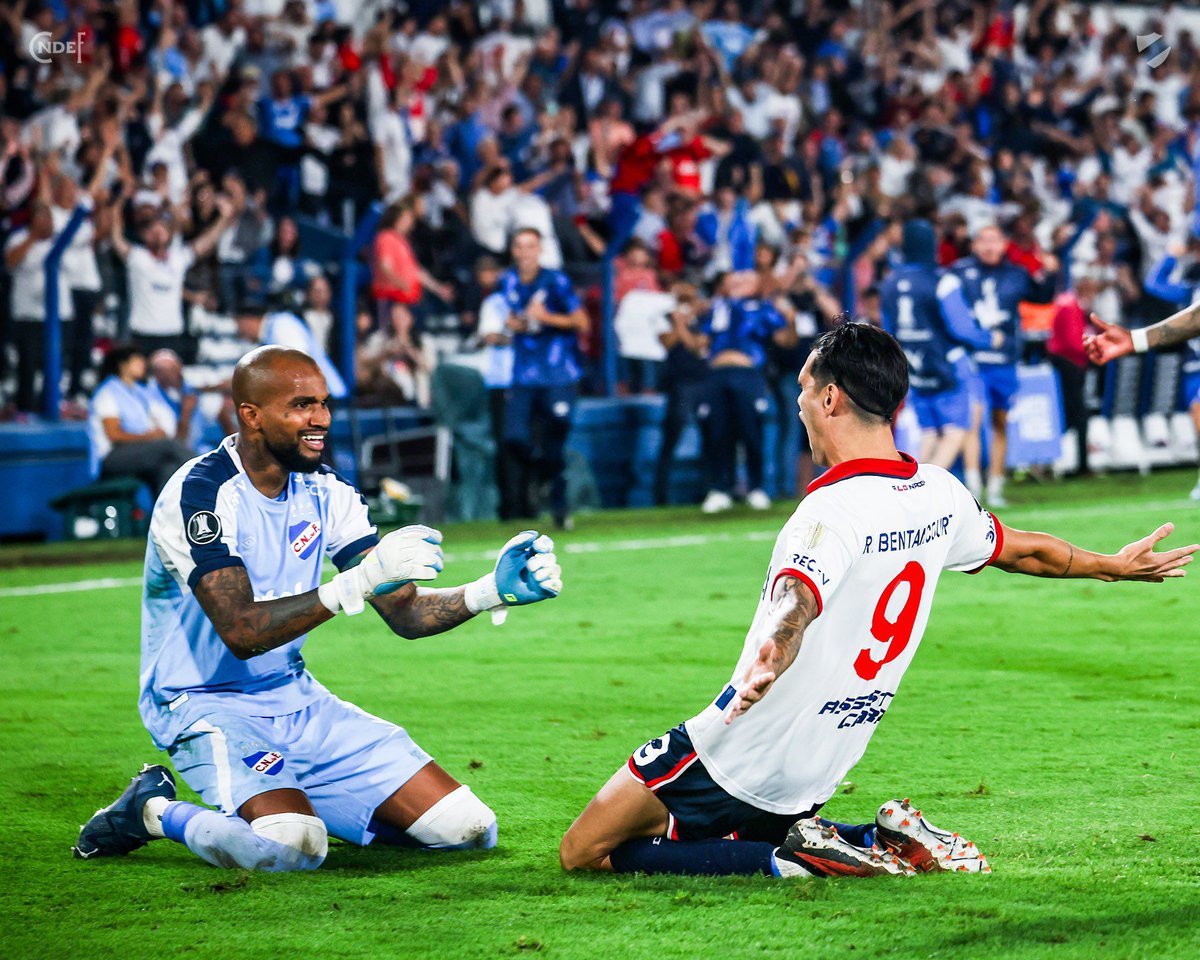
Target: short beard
291,459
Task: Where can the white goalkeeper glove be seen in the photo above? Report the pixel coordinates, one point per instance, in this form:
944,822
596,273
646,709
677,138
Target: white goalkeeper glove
526,572
404,555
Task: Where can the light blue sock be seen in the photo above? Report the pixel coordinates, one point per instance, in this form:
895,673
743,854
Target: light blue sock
229,841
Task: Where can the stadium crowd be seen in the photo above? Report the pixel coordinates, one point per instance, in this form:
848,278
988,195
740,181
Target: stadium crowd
746,174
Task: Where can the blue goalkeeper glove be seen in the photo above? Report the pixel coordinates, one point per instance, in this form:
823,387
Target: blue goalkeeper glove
526,571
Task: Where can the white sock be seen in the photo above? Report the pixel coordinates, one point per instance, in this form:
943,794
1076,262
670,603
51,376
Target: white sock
974,482
995,486
788,868
152,814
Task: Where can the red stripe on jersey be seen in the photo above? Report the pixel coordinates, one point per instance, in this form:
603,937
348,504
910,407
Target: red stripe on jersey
672,827
998,548
903,469
637,774
803,578
674,772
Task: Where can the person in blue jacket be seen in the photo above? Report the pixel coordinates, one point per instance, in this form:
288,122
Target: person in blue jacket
738,327
545,319
923,307
995,287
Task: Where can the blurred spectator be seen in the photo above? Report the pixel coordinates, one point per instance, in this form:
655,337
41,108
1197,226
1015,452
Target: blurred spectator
285,329
685,381
156,269
171,389
738,327
545,321
398,280
133,433
25,257
1065,348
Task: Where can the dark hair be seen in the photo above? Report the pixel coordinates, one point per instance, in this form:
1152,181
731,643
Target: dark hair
534,231
117,357
867,364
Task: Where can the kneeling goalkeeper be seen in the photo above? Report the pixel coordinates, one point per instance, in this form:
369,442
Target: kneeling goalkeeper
232,587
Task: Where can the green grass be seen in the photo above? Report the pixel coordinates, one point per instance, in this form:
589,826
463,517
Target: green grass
1054,723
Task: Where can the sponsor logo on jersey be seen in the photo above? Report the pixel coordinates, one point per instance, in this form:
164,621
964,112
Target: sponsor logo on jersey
266,762
865,708
905,487
305,536
203,527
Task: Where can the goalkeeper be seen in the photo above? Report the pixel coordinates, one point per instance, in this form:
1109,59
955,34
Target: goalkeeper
232,587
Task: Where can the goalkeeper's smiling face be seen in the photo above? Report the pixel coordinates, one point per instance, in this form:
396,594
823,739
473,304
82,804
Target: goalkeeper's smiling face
295,418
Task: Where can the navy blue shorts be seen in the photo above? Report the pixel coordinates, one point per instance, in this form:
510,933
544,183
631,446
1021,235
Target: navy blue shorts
698,808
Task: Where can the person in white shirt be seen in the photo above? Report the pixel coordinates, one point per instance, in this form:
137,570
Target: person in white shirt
845,600
156,269
284,329
25,257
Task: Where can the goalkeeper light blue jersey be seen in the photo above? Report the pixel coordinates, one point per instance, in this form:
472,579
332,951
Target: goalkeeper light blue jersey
211,516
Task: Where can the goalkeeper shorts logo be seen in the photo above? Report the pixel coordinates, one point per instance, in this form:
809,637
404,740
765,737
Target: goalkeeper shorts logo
267,762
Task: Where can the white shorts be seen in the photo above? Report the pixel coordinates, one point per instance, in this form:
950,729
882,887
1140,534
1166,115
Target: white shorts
347,761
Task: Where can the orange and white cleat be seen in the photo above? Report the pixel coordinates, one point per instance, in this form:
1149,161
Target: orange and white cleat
901,828
816,848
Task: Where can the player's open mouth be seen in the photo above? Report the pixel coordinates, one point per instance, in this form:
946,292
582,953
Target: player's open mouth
314,441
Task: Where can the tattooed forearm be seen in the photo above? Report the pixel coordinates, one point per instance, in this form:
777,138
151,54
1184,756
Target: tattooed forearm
800,608
1177,328
250,628
425,613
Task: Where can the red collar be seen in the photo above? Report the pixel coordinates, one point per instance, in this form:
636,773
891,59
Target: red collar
903,469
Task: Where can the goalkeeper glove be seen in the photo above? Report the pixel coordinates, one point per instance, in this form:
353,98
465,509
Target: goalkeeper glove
526,571
411,553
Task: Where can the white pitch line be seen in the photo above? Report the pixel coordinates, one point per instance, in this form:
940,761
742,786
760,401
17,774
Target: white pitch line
629,546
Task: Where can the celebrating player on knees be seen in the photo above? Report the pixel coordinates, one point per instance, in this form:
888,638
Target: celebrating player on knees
737,788
232,588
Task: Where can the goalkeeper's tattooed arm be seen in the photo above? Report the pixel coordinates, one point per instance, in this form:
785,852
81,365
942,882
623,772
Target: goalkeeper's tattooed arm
1177,328
796,606
1114,341
251,627
1043,555
422,612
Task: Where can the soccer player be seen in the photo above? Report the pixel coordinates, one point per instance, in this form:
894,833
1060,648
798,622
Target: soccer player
738,327
845,601
545,319
995,288
232,588
924,309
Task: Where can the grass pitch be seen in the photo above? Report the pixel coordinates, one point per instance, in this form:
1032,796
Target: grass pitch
1054,723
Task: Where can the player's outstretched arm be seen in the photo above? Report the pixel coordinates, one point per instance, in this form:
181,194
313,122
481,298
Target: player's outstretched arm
794,609
1113,341
1044,555
250,628
526,571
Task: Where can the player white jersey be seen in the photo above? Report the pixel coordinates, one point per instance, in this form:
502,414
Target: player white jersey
211,516
870,541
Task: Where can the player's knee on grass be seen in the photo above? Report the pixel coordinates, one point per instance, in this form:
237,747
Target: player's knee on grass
459,821
574,855
300,841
